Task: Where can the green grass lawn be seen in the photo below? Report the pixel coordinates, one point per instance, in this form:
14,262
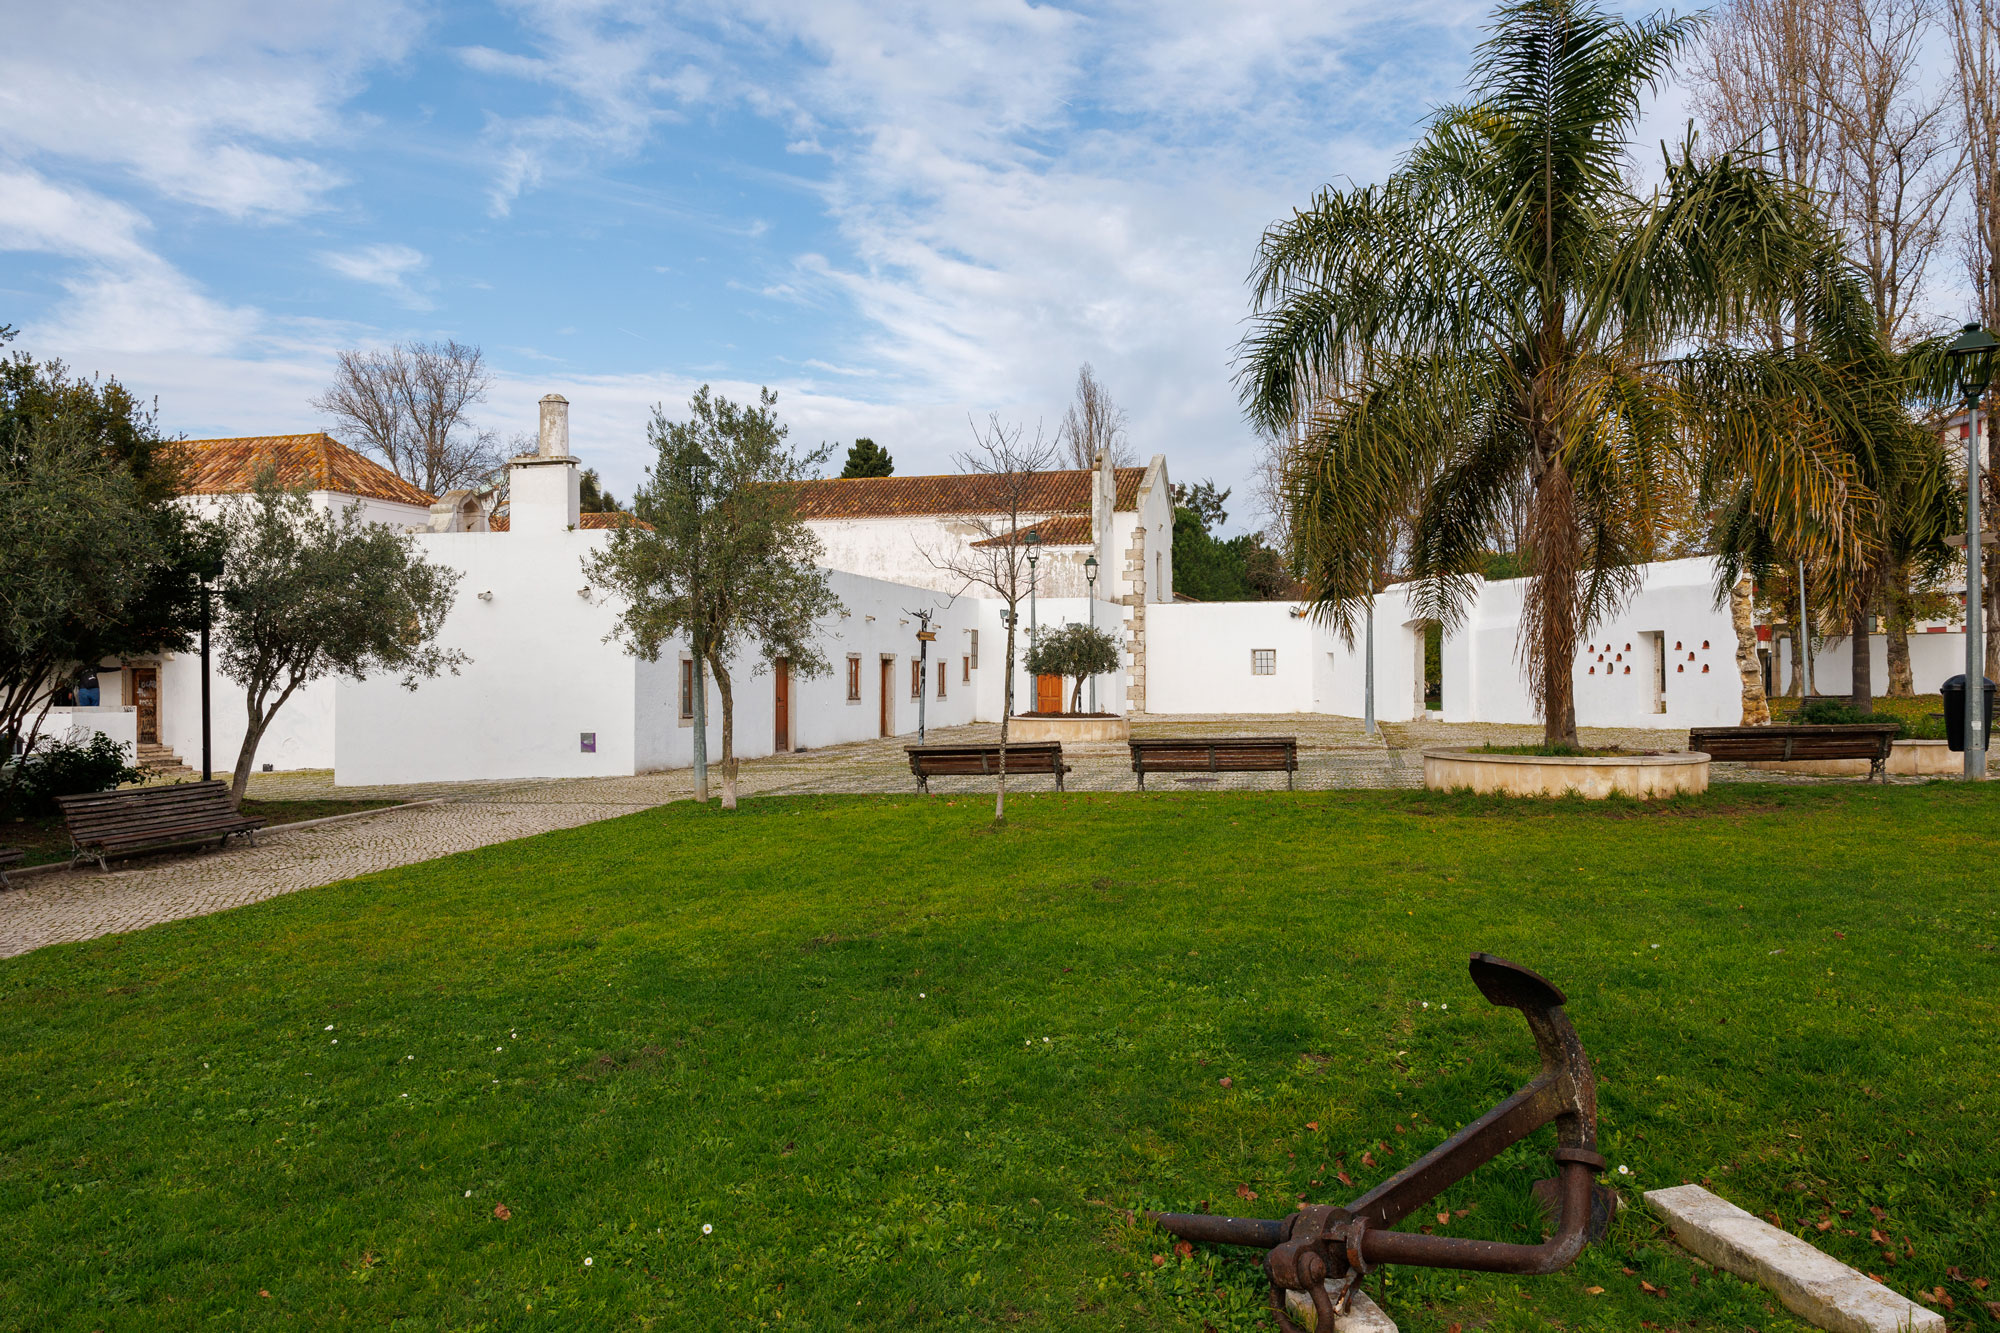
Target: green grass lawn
865,1062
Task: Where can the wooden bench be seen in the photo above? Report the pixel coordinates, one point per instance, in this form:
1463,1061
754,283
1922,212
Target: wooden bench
114,823
9,856
1862,740
1218,754
931,761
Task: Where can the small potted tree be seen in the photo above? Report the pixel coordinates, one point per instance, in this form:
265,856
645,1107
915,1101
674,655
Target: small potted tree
1075,653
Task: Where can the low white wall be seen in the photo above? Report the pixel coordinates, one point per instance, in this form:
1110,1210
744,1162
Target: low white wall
121,724
1934,658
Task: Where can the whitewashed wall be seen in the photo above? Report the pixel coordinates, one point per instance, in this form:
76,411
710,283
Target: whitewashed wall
1934,658
1199,659
121,724
542,674
1675,605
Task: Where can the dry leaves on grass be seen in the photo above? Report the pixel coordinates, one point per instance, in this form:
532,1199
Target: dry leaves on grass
1245,1192
502,1211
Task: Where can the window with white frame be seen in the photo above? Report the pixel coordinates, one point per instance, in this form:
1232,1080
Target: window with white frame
916,679
942,673
1263,661
965,674
687,689
854,678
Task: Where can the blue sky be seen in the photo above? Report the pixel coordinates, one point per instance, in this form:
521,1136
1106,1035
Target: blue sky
900,216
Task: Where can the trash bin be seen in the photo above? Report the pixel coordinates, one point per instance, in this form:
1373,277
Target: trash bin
1954,714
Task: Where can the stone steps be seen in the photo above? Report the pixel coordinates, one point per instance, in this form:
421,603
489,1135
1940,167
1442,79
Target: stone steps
161,761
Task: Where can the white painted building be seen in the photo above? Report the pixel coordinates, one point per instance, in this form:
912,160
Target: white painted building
547,692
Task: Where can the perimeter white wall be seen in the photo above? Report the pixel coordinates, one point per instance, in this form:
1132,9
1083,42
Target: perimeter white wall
1618,680
1934,658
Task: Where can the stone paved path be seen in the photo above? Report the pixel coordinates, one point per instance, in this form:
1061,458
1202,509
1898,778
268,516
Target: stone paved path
76,905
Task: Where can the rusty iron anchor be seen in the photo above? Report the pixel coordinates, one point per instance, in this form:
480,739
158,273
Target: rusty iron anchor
1324,1244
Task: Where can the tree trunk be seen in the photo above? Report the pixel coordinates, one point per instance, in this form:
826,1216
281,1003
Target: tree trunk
246,758
1902,680
1861,690
1006,711
722,688
1756,708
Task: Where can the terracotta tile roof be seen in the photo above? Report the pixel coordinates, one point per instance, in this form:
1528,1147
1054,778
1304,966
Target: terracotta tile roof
318,461
1066,492
617,518
1062,530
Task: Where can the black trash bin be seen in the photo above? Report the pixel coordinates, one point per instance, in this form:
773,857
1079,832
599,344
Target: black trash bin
1954,714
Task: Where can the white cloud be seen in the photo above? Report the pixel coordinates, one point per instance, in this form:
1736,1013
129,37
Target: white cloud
123,296
1021,188
208,102
388,266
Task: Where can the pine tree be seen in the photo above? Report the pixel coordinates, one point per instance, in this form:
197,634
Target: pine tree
868,459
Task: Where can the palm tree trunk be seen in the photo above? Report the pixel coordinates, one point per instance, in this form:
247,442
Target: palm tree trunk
1861,689
1756,708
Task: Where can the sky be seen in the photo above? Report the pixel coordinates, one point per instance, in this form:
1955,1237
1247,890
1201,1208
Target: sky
902,217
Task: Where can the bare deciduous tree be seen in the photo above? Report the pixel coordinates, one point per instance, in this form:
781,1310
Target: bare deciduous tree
1837,92
1093,424
1975,33
408,406
989,553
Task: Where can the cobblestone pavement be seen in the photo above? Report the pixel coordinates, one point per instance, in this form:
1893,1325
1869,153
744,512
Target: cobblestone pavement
75,905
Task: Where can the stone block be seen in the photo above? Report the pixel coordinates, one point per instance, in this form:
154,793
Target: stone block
1363,1315
1811,1284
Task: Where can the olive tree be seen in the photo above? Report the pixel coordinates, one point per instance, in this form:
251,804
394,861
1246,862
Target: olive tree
1074,652
721,558
308,593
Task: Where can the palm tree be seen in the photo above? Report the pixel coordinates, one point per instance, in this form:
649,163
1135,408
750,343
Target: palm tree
1505,315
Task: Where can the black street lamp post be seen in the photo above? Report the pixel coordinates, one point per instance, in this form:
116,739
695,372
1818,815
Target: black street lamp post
1090,602
1972,355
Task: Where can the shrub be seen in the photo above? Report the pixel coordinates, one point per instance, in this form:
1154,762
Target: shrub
1839,713
67,768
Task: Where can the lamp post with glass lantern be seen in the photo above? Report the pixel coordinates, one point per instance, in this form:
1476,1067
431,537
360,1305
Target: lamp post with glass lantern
1033,541
1090,606
1972,357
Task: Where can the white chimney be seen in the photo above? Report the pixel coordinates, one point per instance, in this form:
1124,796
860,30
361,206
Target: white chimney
555,427
542,487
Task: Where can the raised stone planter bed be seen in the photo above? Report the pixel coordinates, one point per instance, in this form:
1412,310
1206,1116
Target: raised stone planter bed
1908,759
1591,776
1070,728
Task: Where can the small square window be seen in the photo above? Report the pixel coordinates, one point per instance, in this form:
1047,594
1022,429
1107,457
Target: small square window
1263,661
589,742
853,680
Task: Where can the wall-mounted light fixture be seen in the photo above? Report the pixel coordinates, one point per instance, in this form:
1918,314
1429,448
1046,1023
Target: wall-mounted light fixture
486,596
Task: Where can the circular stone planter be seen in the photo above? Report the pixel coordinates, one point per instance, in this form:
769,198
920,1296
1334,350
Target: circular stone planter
1591,776
1907,759
1071,729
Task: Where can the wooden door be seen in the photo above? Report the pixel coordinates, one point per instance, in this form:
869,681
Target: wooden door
1048,694
781,673
888,696
146,696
